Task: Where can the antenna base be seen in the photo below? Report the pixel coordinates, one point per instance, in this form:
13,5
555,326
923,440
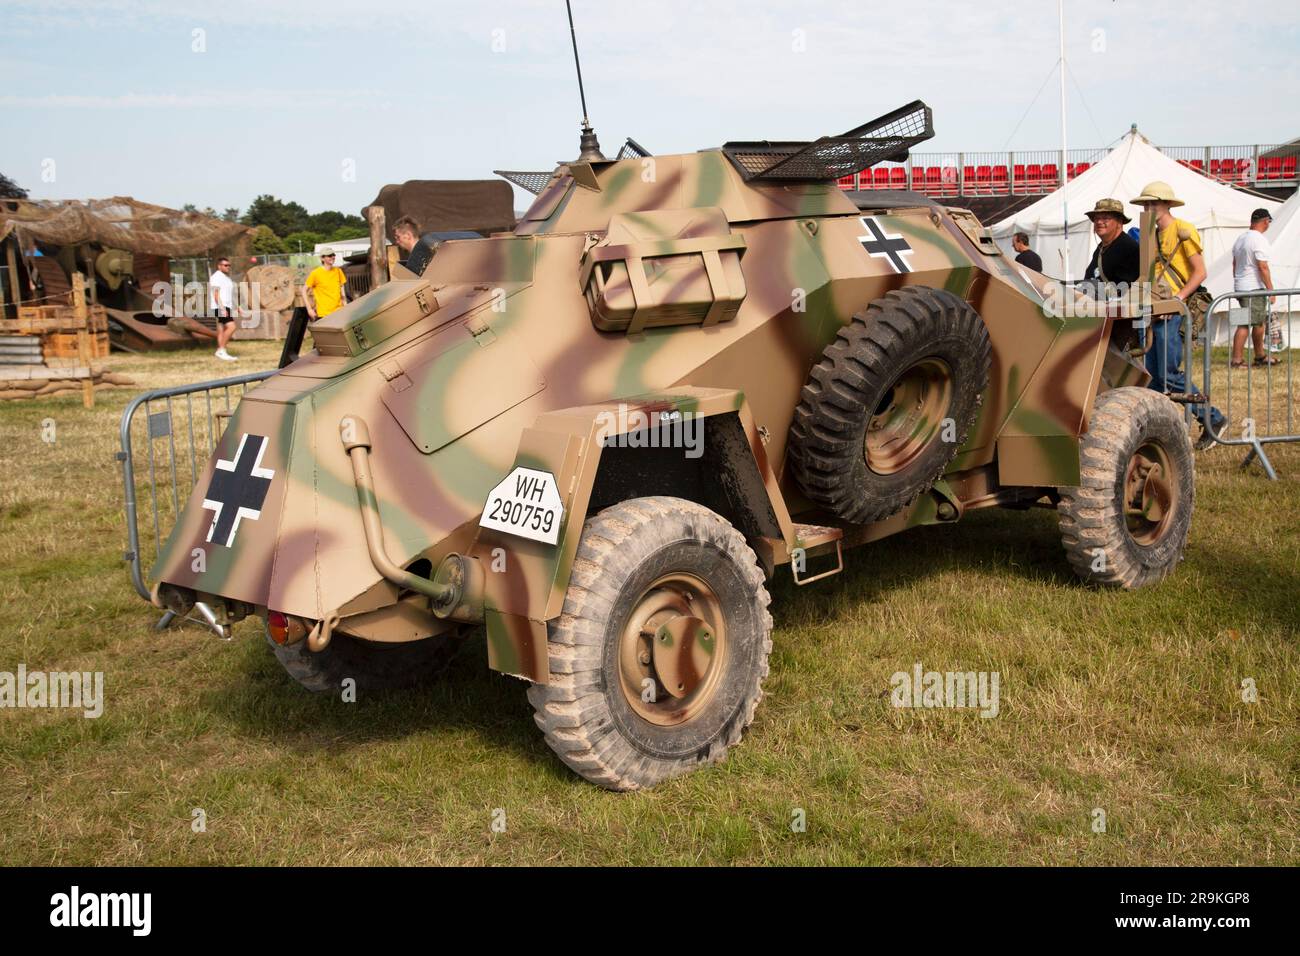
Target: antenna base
589,146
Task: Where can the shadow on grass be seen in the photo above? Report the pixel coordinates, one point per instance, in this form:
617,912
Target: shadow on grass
1026,545
261,701
994,541
264,702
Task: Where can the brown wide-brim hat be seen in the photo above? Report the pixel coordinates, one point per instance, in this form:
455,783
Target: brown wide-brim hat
1111,207
1157,192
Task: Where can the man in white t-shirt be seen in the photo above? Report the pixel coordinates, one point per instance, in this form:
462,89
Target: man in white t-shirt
221,299
1250,271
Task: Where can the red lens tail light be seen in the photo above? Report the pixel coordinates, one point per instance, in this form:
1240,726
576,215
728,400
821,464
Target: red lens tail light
278,624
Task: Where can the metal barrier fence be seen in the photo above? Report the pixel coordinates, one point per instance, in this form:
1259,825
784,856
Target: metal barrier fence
172,468
1255,431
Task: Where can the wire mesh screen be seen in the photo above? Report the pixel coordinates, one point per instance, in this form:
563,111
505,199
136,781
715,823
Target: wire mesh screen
632,150
533,181
886,138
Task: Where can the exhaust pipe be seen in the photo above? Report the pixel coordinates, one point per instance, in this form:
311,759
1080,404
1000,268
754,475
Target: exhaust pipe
456,588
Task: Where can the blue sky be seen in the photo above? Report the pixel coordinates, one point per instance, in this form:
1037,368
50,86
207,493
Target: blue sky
287,97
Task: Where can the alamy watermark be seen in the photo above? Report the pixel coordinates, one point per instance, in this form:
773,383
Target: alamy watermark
1093,299
191,298
81,690
133,911
951,689
633,427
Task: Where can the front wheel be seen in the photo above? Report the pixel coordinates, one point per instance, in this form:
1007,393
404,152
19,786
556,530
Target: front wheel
1126,524
658,656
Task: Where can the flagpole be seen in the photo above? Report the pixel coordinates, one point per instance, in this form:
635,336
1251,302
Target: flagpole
1065,168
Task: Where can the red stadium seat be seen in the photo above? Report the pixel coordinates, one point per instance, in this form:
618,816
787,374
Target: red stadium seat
898,178
1083,168
933,180
1244,167
968,180
1017,177
1001,186
1269,168
847,182
1034,177
1049,176
880,175
1288,167
1198,165
950,184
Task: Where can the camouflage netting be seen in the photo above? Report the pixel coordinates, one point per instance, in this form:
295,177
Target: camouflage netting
118,223
444,205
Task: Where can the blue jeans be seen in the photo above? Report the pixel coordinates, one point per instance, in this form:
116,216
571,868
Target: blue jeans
1165,363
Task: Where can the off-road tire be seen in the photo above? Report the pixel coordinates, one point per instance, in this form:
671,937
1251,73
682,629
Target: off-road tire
857,372
373,665
583,711
1100,547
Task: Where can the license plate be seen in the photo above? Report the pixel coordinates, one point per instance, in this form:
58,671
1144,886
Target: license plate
526,504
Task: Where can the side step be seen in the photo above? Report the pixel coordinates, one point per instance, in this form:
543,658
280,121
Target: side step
813,538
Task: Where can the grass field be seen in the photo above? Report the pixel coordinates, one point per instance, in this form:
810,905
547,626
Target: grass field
1126,702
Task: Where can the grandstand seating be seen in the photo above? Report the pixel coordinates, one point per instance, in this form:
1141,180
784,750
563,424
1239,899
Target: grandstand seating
978,179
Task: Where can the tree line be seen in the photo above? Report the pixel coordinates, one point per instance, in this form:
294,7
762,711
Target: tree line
288,227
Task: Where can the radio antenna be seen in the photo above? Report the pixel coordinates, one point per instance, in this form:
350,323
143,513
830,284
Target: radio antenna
588,145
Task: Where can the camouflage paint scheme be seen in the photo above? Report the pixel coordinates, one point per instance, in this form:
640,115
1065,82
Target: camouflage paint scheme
492,359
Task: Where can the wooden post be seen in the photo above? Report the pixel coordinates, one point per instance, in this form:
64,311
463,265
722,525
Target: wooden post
83,337
378,260
92,286
392,258
1147,243
15,289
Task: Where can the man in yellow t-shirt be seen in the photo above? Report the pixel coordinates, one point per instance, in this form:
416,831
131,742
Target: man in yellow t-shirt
1178,272
1180,246
325,290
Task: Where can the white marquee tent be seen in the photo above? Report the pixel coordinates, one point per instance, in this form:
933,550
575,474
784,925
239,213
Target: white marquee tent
1220,213
1284,238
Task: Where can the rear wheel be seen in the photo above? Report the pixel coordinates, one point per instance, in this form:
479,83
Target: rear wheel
657,659
1126,524
372,664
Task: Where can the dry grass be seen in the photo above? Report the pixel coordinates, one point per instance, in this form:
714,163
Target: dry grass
1126,702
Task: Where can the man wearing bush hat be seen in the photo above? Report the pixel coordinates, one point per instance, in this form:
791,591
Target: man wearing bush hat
1177,273
1117,257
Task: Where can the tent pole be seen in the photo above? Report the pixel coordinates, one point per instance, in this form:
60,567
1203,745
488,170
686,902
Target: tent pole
1065,169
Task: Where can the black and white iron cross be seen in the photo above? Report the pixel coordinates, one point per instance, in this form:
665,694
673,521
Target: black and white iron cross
883,245
237,489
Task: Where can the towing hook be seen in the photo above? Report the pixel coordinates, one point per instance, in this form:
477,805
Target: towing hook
320,635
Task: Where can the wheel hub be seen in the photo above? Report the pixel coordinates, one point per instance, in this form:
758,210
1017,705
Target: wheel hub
1148,494
908,416
683,650
672,650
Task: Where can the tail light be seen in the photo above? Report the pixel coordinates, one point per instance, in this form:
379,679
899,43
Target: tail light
278,624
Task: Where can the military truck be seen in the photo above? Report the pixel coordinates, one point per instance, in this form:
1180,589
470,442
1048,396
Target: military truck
598,438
